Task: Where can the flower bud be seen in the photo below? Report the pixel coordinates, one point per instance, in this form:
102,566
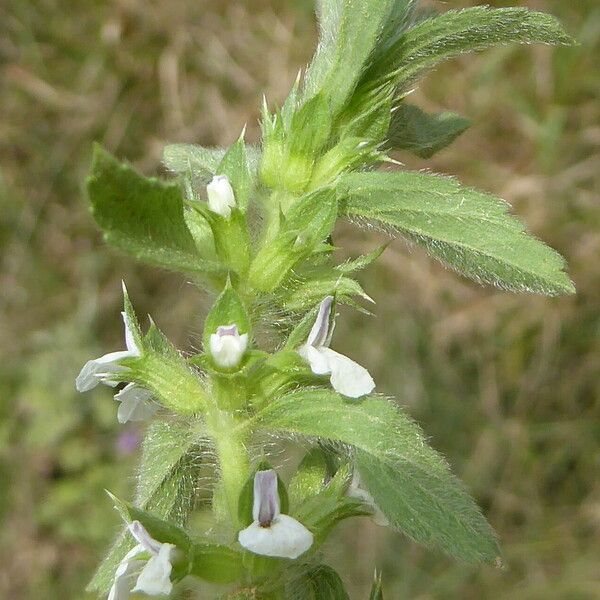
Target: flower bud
227,346
221,198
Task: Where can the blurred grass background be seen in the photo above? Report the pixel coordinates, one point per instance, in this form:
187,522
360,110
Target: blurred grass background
507,386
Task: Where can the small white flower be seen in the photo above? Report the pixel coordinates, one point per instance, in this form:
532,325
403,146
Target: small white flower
347,377
356,491
100,369
136,404
227,346
221,198
272,533
135,574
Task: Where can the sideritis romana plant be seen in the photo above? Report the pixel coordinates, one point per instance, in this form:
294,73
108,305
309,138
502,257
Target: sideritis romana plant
253,225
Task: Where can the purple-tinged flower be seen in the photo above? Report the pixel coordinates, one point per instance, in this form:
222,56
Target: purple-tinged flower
227,346
272,533
347,377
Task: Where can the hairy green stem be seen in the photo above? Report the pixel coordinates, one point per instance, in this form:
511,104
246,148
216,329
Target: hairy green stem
230,444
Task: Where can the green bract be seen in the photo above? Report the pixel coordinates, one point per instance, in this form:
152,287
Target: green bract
261,241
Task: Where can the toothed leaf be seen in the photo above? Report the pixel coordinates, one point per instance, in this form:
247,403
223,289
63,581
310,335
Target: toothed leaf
469,230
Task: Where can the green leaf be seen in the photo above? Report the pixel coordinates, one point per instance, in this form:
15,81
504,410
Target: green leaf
351,266
320,583
321,513
310,127
409,481
469,230
306,224
424,134
132,321
165,446
312,290
376,588
163,370
216,563
193,159
458,31
166,487
309,479
202,163
158,528
143,217
235,166
351,29
228,309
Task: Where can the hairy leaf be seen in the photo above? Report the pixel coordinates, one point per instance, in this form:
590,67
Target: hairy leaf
143,217
319,583
309,478
235,166
376,588
193,159
424,134
228,309
468,229
216,563
411,482
350,31
457,31
158,528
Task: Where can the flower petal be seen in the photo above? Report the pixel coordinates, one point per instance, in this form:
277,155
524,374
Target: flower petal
144,539
135,404
317,360
347,377
227,346
285,538
125,575
91,374
318,334
130,344
221,198
155,578
265,508
356,491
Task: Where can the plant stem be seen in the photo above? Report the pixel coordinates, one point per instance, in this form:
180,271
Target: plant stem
229,440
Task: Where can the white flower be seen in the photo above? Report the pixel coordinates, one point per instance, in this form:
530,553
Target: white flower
221,198
136,574
347,377
227,346
135,400
100,369
136,404
356,491
272,533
